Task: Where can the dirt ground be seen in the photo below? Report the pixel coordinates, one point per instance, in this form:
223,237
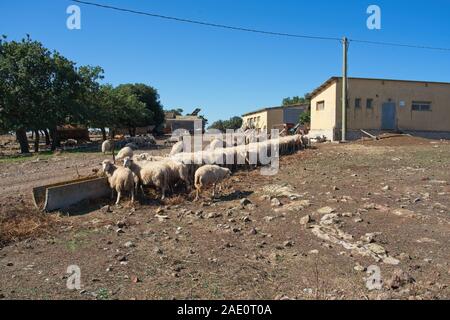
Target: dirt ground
376,205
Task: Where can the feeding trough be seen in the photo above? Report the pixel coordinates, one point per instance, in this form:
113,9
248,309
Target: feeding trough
64,194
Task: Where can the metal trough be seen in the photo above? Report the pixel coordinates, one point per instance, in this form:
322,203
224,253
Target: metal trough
64,194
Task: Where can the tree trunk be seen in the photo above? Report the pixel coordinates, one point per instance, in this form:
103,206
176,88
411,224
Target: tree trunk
21,136
36,141
103,133
111,133
56,143
47,137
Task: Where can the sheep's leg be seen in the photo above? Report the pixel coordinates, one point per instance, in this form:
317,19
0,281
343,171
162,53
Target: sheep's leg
197,193
132,196
112,194
214,191
118,197
163,191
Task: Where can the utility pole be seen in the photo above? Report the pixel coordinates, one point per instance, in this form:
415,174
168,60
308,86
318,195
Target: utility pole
344,89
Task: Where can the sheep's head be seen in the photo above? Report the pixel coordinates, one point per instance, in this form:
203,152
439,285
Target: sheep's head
108,166
228,172
127,161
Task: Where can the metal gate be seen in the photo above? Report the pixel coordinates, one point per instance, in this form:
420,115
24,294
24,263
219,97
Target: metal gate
388,116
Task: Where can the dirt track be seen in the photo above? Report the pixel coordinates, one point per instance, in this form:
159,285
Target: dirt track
396,190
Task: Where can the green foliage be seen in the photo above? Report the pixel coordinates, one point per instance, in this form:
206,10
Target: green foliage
297,100
232,123
305,118
150,97
177,111
40,89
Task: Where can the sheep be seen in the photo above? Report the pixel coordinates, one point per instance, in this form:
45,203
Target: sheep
209,175
148,157
119,178
215,144
177,148
136,170
125,152
107,146
155,174
178,171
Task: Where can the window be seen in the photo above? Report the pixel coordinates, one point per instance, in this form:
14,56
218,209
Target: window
369,104
358,103
320,105
421,106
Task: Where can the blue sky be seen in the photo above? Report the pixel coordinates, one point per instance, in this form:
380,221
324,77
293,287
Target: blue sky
228,73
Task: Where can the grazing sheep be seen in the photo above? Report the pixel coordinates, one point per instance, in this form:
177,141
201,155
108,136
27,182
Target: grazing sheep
119,178
125,152
177,172
107,146
155,174
209,175
177,148
148,157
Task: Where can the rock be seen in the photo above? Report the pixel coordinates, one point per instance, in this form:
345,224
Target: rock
10,264
328,219
106,209
213,215
391,261
359,268
246,219
347,214
129,244
326,210
275,202
288,244
386,188
159,210
245,202
268,218
368,237
335,188
305,220
399,279
404,256
122,258
158,250
404,213
135,279
314,251
119,231
358,220
375,248
161,218
121,224
253,231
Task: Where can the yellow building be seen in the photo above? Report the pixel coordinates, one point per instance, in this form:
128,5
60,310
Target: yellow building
376,105
272,118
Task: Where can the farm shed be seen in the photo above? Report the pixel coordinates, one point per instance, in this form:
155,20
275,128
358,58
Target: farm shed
271,118
377,105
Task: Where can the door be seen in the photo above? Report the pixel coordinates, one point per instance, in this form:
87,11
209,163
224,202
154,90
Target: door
388,116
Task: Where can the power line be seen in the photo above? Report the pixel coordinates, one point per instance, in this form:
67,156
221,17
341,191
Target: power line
291,35
206,23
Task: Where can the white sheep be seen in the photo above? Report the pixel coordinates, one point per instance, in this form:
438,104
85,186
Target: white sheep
155,174
125,152
177,148
148,157
215,144
209,175
107,146
119,178
136,170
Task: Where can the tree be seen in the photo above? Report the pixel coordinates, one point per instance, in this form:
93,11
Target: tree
233,123
177,111
150,97
305,118
40,89
297,100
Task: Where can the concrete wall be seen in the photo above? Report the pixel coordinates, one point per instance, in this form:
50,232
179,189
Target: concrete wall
323,122
259,119
381,91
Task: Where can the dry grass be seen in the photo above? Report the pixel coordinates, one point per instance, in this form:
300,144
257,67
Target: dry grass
20,222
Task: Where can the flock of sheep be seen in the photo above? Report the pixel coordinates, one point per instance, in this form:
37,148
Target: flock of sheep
199,169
